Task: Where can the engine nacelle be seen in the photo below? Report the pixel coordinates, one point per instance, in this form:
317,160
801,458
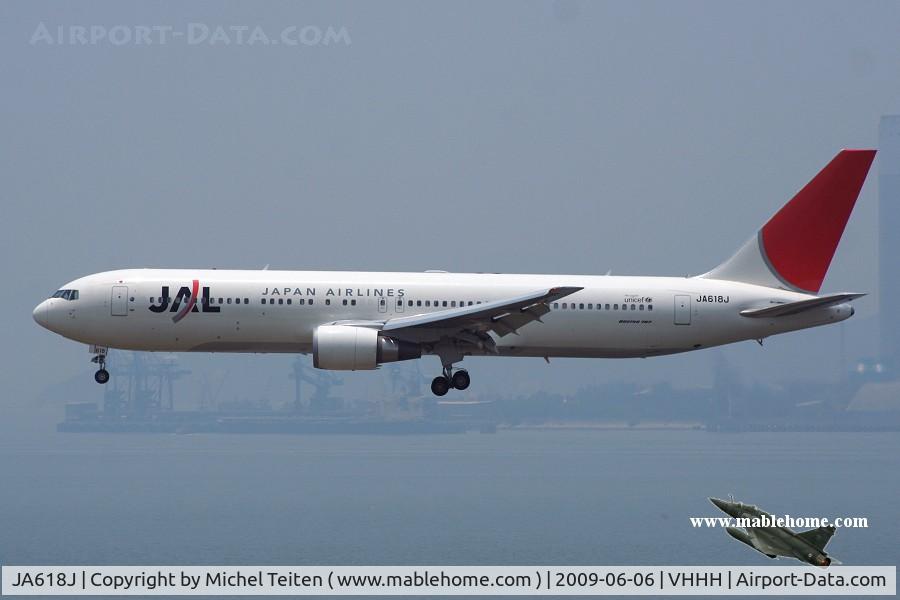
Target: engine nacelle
349,348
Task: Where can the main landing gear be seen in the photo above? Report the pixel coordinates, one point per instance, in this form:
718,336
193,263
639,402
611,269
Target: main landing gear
102,375
449,353
459,380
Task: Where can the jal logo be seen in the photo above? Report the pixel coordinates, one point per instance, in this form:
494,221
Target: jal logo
186,296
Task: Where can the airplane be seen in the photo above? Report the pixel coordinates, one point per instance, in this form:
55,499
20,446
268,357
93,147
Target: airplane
807,546
361,320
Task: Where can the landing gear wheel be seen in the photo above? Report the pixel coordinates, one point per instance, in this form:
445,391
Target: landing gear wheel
102,375
440,385
461,380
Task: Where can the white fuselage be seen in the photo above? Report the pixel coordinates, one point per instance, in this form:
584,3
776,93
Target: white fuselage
278,311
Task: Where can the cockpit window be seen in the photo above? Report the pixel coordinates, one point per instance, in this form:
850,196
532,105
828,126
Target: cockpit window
66,294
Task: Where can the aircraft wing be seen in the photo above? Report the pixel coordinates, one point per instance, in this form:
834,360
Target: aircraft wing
818,537
500,316
793,308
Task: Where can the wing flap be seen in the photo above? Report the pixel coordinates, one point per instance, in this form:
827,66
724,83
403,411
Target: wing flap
793,308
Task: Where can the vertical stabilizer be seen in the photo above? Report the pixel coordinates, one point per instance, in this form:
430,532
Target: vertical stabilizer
794,248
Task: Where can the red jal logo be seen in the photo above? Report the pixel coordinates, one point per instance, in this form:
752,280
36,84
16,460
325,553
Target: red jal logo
185,295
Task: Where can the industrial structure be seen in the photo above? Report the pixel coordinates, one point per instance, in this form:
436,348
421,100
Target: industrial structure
141,398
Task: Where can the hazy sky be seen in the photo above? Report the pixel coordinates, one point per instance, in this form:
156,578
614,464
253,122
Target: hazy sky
560,137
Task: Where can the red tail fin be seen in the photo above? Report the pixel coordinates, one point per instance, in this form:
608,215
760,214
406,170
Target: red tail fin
801,238
794,249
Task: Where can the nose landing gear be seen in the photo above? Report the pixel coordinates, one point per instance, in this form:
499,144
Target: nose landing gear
102,375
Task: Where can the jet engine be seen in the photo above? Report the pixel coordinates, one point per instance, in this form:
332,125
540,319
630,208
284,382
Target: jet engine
350,348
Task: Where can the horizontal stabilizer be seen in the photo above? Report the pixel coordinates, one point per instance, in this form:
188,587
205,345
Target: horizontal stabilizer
793,308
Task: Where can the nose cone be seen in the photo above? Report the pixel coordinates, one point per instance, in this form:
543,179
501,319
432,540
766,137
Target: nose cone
40,314
724,505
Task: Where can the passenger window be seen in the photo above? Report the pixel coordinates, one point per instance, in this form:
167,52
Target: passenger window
581,306
565,305
453,304
281,301
301,301
246,300
310,301
344,302
418,303
353,302
444,304
290,301
409,303
633,307
556,305
327,301
607,307
590,306
262,301
229,301
428,303
649,307
641,307
615,307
